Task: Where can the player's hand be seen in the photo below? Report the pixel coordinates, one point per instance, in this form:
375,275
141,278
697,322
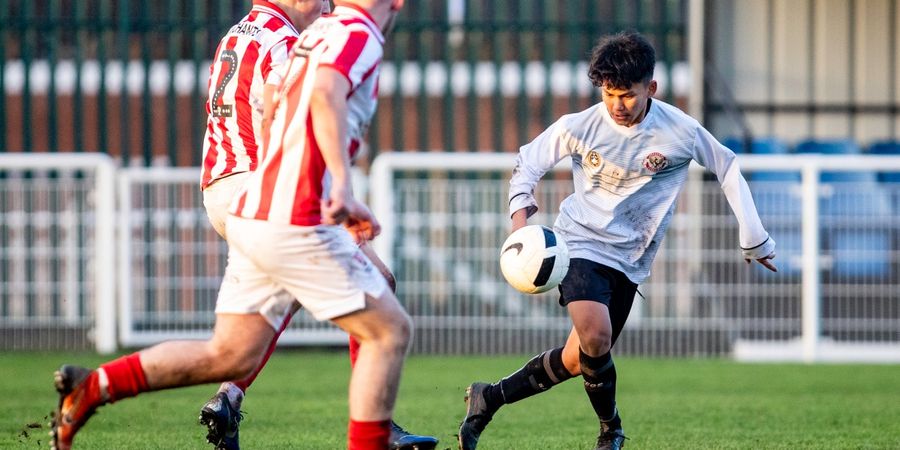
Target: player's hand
363,230
766,262
342,208
336,208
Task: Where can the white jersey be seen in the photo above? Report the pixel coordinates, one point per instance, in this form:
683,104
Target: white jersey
626,182
291,181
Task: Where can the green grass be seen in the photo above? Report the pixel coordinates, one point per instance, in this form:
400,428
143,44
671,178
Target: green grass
299,402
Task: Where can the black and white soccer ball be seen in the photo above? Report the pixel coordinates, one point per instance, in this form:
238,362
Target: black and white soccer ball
534,259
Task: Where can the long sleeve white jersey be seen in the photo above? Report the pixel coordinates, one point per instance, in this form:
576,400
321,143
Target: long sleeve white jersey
626,181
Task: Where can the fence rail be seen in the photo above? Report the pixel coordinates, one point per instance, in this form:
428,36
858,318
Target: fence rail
835,296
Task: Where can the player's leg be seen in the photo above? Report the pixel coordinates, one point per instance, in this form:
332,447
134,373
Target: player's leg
383,330
400,438
221,414
598,319
326,271
541,373
233,352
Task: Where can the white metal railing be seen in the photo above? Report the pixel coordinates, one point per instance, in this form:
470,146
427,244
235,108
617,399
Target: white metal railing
98,218
171,263
811,347
442,216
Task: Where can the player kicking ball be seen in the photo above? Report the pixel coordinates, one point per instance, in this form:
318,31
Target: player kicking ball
630,157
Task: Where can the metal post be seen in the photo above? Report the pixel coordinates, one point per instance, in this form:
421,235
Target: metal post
811,325
105,269
696,57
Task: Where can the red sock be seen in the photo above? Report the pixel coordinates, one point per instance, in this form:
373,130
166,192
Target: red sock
368,435
124,377
246,382
354,351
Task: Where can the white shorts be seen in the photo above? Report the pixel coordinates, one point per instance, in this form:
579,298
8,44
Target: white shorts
319,266
218,196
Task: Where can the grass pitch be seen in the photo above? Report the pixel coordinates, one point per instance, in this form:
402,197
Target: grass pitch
299,402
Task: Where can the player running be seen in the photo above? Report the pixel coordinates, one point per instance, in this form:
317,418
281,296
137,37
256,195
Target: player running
630,157
247,68
294,239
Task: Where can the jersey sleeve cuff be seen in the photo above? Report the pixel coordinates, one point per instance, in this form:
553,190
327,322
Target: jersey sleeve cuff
523,200
762,250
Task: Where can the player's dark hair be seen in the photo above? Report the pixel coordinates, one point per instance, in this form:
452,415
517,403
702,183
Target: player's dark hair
622,59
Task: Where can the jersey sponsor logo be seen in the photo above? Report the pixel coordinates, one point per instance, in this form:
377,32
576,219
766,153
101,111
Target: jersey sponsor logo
655,162
593,158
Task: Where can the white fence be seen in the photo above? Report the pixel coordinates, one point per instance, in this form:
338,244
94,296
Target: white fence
171,263
834,298
57,222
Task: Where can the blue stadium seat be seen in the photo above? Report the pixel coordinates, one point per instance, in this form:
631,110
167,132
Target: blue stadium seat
830,147
776,193
834,147
760,146
860,253
886,148
857,251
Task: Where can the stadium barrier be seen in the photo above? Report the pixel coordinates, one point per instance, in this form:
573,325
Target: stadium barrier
443,215
57,252
835,298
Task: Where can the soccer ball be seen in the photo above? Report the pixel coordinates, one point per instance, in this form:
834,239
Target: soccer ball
533,259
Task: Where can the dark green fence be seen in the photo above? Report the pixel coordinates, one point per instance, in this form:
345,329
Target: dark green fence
129,77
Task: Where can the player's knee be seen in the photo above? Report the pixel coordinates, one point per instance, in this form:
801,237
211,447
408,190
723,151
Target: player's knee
232,362
596,343
401,333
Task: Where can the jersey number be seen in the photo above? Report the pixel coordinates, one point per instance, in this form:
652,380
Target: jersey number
229,62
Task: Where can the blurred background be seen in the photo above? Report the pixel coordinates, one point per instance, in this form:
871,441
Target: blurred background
104,242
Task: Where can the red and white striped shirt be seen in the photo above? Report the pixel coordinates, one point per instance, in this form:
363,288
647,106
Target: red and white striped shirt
292,179
245,61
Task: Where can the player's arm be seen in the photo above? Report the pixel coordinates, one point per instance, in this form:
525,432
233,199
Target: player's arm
328,109
533,161
278,66
756,244
519,219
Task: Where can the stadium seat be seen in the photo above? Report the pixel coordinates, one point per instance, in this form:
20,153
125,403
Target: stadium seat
763,146
852,196
760,146
834,147
776,193
860,253
886,148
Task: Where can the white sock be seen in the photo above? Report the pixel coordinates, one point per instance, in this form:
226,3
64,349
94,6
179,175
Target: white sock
234,393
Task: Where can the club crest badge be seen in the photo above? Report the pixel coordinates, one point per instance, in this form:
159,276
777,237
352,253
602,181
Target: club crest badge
655,162
593,158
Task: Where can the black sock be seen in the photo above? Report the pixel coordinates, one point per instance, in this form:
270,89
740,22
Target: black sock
600,384
541,373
